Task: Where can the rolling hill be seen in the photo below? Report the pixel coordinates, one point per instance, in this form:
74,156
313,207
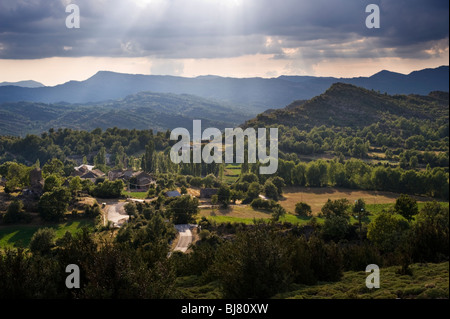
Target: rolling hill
145,110
345,105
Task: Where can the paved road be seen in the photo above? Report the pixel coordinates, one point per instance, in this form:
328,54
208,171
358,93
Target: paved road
185,238
116,213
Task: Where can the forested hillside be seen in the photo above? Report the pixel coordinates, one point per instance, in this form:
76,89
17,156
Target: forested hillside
351,121
145,110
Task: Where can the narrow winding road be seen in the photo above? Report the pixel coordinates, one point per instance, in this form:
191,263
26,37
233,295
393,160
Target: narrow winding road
185,237
115,213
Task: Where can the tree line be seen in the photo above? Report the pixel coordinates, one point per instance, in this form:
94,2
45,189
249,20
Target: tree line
357,174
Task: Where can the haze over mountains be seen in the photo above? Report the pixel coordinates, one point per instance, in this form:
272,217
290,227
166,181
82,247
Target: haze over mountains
144,110
255,95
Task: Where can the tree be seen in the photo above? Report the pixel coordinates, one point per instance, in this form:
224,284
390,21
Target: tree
260,203
430,233
413,162
42,241
406,206
52,205
223,195
130,209
277,212
298,174
279,183
75,185
360,213
439,183
303,209
14,212
236,195
17,175
270,190
335,227
253,265
183,209
196,181
249,178
386,231
214,201
209,180
108,189
53,166
253,190
316,173
92,211
312,175
51,181
100,158
147,163
389,154
285,172
336,207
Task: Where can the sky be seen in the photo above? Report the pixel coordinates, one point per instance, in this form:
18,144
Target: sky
235,38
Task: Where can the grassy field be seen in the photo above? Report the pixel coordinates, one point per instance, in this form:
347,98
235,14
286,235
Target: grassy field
316,197
138,195
247,215
20,235
231,173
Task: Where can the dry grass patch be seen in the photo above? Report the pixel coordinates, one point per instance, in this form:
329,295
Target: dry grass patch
317,197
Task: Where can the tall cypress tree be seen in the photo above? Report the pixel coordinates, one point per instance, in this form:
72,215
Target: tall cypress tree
147,159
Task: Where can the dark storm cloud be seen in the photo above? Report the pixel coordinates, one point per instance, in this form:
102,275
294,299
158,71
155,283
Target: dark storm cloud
228,28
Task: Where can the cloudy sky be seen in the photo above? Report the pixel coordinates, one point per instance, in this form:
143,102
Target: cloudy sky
238,38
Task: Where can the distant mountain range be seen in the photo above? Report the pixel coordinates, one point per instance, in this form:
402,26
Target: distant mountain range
25,84
254,95
145,110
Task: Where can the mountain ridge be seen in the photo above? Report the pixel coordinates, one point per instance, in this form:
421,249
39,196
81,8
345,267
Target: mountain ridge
346,105
25,84
252,94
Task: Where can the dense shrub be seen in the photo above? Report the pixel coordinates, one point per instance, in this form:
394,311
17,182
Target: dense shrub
303,209
52,205
15,213
108,189
42,241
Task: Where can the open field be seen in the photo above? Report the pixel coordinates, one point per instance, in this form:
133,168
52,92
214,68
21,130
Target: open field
317,197
20,235
138,195
231,173
246,214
